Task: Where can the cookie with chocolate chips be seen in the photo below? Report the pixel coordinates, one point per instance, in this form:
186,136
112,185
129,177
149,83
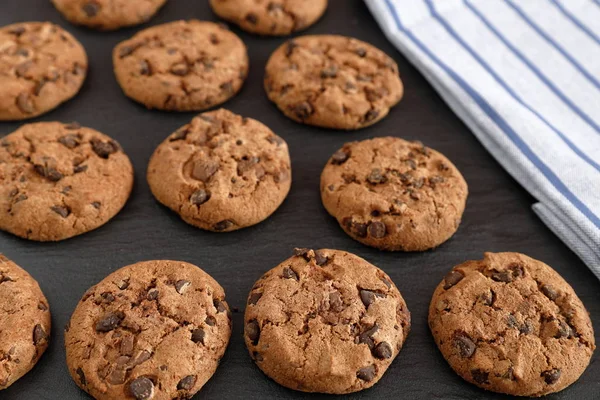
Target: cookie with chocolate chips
151,330
108,14
60,180
221,172
393,194
511,324
332,81
41,67
273,18
325,321
24,322
181,66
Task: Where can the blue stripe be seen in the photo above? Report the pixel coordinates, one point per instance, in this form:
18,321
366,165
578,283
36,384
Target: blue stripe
500,122
574,20
502,82
540,75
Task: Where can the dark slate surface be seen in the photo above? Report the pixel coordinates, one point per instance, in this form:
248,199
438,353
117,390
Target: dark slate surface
498,217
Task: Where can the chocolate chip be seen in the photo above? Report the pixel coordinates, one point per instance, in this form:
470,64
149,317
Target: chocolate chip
47,172
80,168
274,139
367,373
18,30
549,292
96,204
69,141
290,46
340,157
220,305
25,103
127,50
526,328
227,87
336,304
63,211
367,336
181,134
551,376
81,376
434,180
145,68
511,321
357,228
107,297
329,72
39,334
180,69
141,388
465,346
214,39
375,177
368,297
182,285
252,18
104,149
383,350
198,335
502,276
210,321
187,383
22,69
302,110
91,8
254,297
452,278
377,229
199,197
375,94
110,321
152,294
246,164
320,258
480,376
123,284
302,252
42,306
371,115
223,225
564,330
289,273
253,331
361,52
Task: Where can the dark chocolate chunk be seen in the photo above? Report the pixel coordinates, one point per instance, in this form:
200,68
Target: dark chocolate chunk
452,278
141,388
253,331
367,373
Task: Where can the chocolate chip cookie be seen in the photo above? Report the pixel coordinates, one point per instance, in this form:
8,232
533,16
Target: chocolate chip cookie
275,18
325,321
393,194
108,14
151,330
221,172
332,81
181,66
24,322
41,67
60,180
511,324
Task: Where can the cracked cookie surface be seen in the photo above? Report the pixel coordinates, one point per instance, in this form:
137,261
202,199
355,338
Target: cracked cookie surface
108,14
393,194
41,67
325,321
511,324
274,18
60,180
332,81
24,322
221,172
151,330
181,66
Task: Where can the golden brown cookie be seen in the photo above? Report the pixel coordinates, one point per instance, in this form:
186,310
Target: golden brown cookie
511,324
221,172
41,66
60,180
393,194
24,322
325,321
274,18
332,81
152,330
181,66
108,14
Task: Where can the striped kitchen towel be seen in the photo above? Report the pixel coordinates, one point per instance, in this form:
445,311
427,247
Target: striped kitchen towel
524,75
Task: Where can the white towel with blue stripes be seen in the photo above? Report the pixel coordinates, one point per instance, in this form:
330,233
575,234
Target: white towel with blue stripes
524,75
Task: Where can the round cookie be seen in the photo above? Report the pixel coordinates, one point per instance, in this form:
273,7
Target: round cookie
151,330
332,81
24,322
108,14
41,66
274,18
511,324
325,321
60,180
393,194
221,172
181,66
